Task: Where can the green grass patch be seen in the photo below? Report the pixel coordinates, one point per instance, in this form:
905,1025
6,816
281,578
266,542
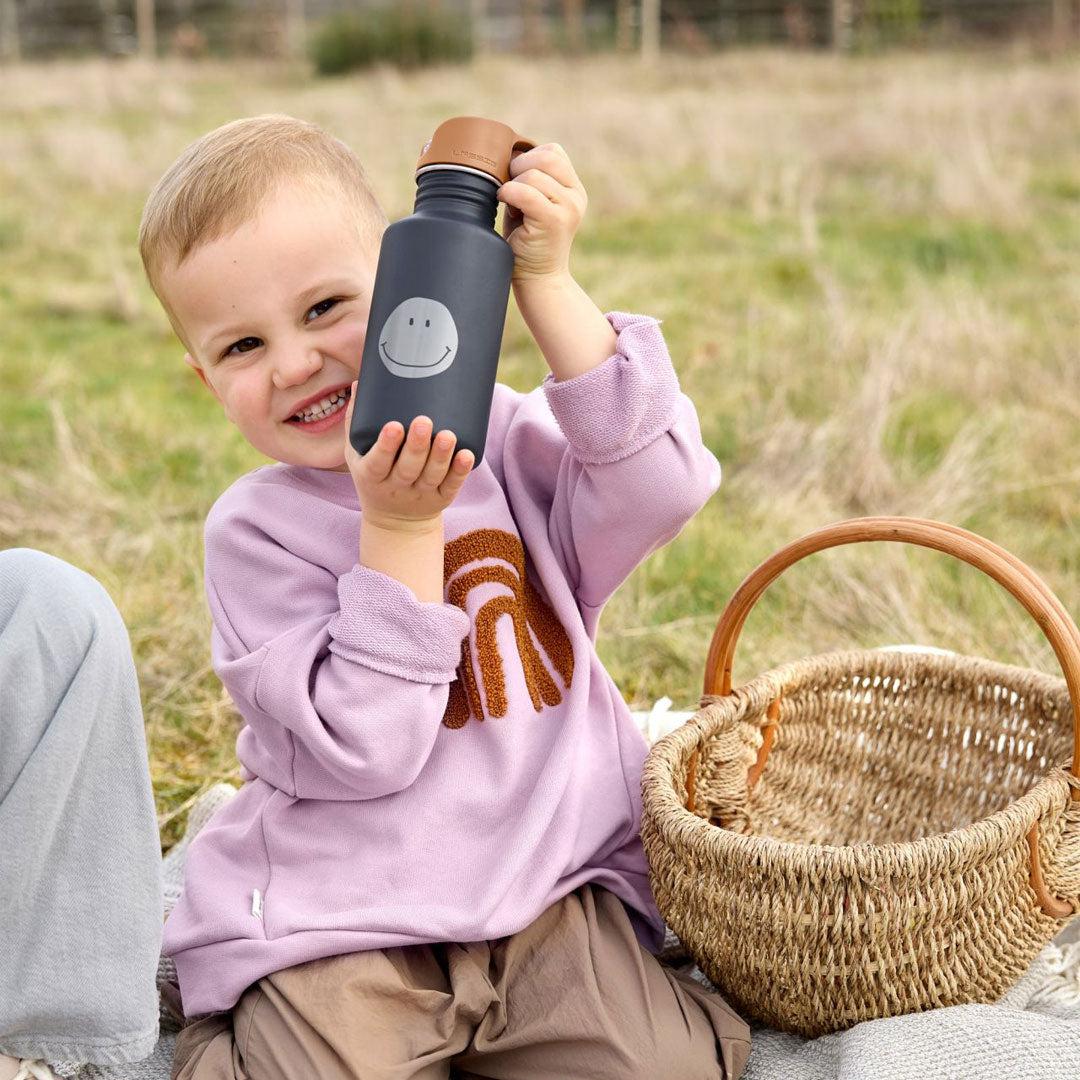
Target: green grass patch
892,252
923,426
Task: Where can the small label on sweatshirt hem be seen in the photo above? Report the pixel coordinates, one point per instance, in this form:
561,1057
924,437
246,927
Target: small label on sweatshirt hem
256,903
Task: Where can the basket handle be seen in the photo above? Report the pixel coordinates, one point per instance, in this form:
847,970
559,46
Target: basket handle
1021,581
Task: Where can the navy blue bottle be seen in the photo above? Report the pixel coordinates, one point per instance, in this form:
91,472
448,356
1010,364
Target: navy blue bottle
441,288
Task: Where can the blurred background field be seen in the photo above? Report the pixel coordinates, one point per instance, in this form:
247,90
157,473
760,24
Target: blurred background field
867,265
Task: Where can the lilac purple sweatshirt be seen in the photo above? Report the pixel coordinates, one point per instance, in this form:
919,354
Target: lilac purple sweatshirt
437,772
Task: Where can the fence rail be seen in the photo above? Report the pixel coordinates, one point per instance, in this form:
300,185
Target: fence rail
44,28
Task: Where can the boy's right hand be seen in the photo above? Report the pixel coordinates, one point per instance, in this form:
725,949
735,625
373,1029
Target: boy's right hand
415,489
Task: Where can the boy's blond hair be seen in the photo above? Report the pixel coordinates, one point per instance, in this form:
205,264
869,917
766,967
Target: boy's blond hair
220,181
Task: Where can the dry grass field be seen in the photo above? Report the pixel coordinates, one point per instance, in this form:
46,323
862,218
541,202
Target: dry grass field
868,271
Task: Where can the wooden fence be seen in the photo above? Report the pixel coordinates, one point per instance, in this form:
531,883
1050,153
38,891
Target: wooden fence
44,28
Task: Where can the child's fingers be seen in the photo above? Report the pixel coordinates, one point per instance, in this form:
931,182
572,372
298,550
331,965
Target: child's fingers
414,454
379,459
380,455
442,449
422,460
455,477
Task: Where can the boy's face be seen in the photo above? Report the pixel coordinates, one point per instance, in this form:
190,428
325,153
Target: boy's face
275,315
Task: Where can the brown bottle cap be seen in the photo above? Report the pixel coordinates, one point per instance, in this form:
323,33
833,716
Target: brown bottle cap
475,143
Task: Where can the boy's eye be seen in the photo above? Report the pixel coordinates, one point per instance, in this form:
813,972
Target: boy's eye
243,345
321,308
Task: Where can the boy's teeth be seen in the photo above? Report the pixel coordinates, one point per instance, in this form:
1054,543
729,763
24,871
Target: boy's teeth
323,407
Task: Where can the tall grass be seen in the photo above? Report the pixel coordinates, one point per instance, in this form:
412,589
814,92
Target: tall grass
868,272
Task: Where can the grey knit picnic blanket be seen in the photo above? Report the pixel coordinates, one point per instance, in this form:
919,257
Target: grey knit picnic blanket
1033,1033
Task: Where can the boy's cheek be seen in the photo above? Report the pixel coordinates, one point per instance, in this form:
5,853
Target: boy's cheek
352,344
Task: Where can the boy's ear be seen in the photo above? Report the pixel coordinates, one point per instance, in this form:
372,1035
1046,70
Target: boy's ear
192,362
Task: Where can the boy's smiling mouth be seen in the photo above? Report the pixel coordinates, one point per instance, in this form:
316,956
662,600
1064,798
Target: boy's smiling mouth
318,415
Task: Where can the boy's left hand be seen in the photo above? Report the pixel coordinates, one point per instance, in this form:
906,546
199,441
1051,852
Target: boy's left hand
545,202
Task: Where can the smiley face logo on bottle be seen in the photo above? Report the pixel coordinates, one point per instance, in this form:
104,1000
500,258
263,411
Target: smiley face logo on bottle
419,339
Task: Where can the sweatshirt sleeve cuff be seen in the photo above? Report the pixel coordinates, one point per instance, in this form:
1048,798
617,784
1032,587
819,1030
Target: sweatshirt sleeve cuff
622,404
382,625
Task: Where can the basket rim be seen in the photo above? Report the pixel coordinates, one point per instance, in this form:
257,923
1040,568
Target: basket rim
666,762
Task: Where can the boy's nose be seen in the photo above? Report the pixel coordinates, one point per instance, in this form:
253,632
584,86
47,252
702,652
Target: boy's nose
296,367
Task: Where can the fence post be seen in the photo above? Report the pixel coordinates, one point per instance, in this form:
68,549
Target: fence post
534,38
650,29
574,25
727,22
623,31
478,25
1063,21
10,48
144,28
841,24
295,28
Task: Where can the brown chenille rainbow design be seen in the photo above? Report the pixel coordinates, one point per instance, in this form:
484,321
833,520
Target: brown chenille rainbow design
527,608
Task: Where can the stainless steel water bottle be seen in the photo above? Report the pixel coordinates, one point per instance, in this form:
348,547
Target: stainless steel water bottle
441,288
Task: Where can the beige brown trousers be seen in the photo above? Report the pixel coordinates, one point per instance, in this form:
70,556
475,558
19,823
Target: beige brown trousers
573,996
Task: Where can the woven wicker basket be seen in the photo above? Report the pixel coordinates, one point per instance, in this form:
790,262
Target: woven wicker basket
912,842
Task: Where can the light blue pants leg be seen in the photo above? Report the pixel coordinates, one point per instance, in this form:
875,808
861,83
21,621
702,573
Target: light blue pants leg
80,860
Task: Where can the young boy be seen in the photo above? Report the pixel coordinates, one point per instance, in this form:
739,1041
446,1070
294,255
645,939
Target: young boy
435,859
